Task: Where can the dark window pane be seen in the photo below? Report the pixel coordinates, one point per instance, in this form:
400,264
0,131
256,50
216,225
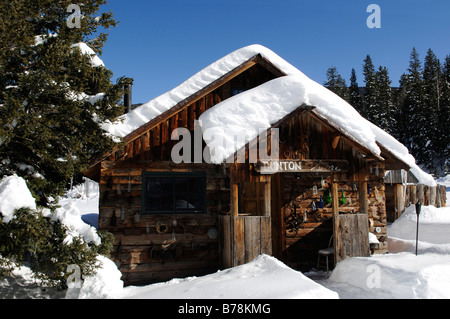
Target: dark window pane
174,193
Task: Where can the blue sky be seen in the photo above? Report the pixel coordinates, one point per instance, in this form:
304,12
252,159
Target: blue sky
162,43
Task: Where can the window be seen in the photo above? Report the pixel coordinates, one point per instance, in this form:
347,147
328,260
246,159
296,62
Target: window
173,193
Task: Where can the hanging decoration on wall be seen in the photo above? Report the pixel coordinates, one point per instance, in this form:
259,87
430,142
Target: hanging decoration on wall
343,199
320,203
327,198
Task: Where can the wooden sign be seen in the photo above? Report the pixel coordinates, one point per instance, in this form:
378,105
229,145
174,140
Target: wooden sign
302,166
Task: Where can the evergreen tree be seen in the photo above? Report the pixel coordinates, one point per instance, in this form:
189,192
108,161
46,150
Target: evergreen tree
354,93
433,86
370,94
383,111
54,94
336,83
413,109
443,122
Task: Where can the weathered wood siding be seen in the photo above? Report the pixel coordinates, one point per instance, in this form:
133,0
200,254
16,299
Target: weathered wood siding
245,238
353,239
143,254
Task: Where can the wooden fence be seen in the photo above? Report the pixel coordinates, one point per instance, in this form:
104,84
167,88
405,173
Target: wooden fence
410,194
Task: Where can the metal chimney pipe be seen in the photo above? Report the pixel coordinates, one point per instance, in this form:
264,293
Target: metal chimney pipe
127,98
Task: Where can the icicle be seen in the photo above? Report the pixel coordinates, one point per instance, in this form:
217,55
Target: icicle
305,216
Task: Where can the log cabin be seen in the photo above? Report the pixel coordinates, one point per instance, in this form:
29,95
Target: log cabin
220,206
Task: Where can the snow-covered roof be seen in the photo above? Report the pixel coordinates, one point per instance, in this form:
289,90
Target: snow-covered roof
249,112
259,108
148,111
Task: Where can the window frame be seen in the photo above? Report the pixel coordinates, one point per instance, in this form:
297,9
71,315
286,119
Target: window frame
173,175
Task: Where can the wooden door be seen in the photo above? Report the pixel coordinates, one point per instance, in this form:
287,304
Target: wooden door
352,234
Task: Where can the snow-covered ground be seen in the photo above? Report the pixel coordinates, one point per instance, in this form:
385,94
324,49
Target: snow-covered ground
399,274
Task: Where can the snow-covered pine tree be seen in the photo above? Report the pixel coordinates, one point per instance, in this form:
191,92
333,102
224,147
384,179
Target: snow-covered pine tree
443,121
54,90
433,86
354,93
413,109
370,92
336,83
383,113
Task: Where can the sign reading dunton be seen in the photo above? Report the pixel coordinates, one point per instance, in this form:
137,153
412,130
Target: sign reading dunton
302,166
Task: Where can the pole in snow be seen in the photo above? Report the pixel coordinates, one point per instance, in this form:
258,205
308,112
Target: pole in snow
418,208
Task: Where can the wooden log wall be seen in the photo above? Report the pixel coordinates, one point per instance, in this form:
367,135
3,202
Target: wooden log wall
143,252
400,196
185,249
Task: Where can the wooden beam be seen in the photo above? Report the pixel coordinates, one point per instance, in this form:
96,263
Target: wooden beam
234,200
363,196
335,209
267,199
349,139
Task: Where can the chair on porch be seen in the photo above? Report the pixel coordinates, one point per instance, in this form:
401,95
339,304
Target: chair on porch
326,252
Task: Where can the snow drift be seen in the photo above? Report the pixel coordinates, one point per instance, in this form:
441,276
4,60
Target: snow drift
263,278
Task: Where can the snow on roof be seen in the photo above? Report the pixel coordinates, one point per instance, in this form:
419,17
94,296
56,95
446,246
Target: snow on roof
259,108
148,111
401,152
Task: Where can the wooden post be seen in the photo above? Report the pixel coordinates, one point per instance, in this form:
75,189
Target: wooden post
335,208
399,200
267,199
420,195
363,198
412,194
234,200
